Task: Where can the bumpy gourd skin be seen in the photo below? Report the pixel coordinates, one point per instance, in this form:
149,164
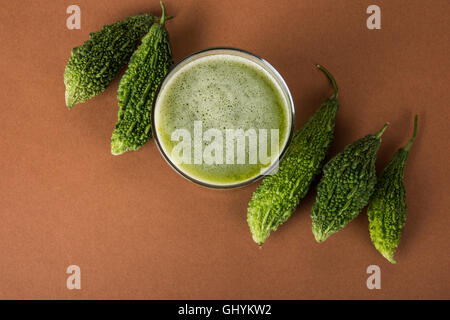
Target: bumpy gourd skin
347,183
278,195
387,206
93,65
148,66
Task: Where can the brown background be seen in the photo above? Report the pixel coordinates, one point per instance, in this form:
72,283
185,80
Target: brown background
139,230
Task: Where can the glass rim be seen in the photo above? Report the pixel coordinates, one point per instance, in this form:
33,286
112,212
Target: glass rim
273,73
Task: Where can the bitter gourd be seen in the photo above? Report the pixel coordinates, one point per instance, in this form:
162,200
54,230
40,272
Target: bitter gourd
93,65
387,206
148,66
345,188
278,195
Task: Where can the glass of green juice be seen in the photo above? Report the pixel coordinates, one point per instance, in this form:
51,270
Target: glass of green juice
223,118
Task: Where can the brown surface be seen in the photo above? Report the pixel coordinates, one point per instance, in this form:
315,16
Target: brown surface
138,230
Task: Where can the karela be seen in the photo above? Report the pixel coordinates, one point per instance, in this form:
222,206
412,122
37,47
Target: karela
278,195
346,186
93,65
387,206
148,66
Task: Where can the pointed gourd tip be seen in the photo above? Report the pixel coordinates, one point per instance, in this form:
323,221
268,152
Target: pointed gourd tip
319,237
69,101
258,239
117,147
389,257
114,151
118,152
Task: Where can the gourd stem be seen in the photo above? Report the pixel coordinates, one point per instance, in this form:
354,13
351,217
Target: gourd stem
163,14
331,78
380,133
167,18
409,144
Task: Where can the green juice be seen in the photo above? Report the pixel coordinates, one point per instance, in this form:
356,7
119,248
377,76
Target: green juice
222,92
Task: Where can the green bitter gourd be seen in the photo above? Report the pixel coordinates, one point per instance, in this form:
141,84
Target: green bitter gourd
345,188
387,206
148,66
278,195
93,65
